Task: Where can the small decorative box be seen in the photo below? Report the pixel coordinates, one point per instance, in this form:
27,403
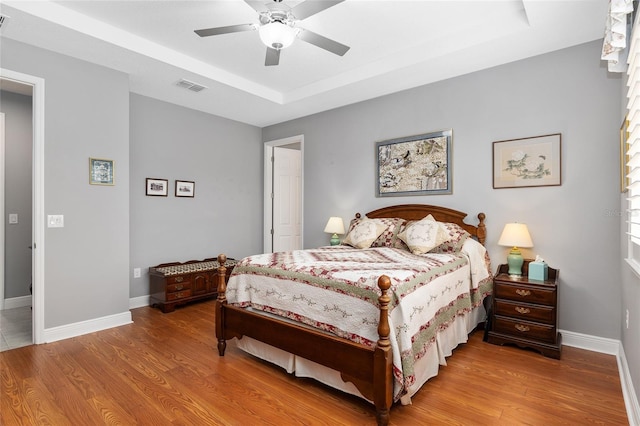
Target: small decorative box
538,271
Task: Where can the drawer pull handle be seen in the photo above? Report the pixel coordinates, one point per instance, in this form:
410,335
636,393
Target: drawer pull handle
521,310
179,279
179,287
522,292
522,328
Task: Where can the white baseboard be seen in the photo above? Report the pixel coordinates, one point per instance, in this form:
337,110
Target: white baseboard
16,302
611,347
97,324
628,391
139,302
590,343
85,327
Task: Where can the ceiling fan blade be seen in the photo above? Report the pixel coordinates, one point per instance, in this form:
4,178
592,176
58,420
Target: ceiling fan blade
257,5
311,7
272,58
323,42
225,30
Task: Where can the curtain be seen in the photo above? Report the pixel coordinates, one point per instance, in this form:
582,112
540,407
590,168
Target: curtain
615,35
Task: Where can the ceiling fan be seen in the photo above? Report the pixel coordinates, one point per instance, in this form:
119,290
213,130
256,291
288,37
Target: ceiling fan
278,27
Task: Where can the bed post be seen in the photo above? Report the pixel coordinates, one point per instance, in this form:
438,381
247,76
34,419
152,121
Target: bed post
383,358
482,229
220,302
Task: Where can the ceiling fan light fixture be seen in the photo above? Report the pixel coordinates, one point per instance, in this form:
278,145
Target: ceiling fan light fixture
277,35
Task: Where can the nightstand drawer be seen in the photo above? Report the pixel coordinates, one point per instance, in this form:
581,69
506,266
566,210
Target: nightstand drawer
525,329
537,313
523,293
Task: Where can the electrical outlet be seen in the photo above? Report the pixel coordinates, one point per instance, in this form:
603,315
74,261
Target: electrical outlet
13,218
627,320
136,272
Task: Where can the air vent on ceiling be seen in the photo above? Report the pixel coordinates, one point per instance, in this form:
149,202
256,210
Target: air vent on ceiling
4,20
190,85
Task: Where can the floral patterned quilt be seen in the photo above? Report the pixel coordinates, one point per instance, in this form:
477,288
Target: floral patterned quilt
335,289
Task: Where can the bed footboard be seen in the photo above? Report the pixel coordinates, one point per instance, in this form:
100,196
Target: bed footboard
369,369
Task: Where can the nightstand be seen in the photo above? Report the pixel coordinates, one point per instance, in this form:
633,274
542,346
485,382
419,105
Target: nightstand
525,312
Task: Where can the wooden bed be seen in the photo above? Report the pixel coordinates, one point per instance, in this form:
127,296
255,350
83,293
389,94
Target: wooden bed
369,369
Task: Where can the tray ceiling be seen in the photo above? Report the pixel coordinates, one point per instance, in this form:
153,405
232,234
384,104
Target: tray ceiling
395,45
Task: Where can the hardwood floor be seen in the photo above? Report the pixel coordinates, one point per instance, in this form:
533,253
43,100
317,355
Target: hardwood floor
164,370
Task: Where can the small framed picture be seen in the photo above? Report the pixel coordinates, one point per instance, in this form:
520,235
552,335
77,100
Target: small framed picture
100,171
533,161
157,187
185,188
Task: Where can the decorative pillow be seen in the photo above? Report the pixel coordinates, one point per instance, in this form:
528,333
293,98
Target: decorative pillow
456,238
364,233
389,236
424,235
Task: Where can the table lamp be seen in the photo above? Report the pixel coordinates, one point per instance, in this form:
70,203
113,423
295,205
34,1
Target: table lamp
515,235
335,226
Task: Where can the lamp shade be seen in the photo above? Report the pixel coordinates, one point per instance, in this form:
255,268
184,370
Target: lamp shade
277,35
335,225
515,235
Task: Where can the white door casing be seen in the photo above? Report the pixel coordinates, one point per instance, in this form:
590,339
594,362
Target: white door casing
2,243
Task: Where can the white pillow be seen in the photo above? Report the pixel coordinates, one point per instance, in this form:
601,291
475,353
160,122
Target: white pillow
424,235
364,234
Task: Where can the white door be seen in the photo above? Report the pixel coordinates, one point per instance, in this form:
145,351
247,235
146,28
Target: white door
287,223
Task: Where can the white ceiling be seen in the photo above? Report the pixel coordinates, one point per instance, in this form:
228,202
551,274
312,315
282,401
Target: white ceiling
395,45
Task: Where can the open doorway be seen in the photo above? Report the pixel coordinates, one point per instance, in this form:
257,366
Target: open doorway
16,150
283,194
22,203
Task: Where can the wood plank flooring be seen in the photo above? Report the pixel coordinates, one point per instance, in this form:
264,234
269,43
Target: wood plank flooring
164,370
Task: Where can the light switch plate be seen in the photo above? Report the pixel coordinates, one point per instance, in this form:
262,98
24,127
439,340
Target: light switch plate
55,221
13,218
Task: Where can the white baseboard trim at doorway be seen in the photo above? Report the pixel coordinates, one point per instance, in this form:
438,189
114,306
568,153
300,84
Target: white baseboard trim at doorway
16,302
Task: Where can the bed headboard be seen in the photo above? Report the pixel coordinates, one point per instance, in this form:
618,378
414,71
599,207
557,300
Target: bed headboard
441,214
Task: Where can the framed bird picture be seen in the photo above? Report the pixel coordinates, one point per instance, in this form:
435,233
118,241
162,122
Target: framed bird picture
415,165
533,161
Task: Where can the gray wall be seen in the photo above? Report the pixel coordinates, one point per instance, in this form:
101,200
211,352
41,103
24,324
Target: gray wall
18,153
87,115
223,157
572,225
631,336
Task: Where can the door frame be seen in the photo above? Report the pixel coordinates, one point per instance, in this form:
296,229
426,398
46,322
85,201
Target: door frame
2,215
268,188
38,224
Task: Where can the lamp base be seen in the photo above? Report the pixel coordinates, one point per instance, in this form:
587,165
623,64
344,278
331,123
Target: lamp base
515,261
335,240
